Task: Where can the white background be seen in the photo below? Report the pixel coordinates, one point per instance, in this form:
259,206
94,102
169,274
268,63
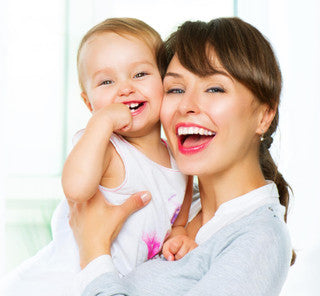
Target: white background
41,107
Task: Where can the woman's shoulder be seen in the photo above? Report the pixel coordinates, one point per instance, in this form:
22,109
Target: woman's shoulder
267,220
264,230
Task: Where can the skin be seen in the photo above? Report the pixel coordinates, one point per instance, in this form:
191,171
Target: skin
114,76
217,103
223,105
117,71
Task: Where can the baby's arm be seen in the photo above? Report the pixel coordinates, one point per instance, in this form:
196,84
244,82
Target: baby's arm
91,156
179,243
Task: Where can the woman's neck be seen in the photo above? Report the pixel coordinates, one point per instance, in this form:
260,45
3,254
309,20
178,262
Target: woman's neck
220,188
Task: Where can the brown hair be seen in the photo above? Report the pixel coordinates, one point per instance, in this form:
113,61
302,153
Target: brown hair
248,57
125,26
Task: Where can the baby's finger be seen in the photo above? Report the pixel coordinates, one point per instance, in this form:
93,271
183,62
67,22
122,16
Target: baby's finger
175,245
184,249
166,252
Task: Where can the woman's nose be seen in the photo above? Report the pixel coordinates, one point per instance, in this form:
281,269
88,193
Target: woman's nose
189,103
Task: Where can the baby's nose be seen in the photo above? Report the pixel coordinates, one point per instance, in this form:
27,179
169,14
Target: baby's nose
125,89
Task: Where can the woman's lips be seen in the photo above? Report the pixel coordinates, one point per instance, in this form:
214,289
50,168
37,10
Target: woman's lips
193,138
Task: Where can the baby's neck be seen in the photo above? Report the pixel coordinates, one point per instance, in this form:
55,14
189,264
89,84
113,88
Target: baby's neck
152,146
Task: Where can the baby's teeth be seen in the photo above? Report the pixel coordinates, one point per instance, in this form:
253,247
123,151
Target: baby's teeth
133,105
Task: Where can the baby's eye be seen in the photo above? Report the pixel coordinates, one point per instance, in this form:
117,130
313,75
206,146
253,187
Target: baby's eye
175,91
215,90
140,74
106,82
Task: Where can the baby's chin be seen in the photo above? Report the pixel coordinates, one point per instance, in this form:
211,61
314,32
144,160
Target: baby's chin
133,132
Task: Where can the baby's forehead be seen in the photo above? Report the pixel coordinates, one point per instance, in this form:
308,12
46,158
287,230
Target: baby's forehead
111,42
97,46
116,35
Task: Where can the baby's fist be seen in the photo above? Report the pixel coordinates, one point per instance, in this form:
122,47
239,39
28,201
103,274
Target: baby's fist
177,247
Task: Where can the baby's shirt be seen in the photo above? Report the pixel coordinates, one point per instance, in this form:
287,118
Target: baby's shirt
52,271
143,234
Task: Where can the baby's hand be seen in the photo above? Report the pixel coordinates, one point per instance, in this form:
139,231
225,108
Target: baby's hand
122,117
118,115
177,247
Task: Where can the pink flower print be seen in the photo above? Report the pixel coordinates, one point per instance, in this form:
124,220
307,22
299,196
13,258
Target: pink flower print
171,197
175,214
152,243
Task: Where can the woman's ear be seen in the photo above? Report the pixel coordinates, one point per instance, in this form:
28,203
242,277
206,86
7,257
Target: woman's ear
266,116
86,101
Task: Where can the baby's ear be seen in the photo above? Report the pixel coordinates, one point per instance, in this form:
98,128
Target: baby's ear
86,101
266,117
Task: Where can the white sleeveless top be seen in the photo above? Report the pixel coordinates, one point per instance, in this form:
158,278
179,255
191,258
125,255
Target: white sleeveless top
53,269
143,234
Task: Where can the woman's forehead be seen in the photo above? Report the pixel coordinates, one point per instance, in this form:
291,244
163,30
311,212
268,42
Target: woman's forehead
176,69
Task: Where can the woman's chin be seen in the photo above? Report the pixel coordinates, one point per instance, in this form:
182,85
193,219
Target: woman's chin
188,168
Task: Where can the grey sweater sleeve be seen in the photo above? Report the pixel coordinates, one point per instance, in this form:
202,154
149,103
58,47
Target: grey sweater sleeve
250,260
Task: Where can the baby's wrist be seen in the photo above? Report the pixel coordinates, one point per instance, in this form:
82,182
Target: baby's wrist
100,125
178,230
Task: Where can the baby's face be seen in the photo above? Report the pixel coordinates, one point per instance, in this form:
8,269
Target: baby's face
116,69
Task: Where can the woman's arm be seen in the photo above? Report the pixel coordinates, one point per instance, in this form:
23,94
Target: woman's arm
249,263
91,156
252,263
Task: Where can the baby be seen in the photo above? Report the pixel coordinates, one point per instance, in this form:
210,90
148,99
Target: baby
120,152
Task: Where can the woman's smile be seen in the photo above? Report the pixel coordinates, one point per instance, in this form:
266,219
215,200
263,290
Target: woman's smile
193,138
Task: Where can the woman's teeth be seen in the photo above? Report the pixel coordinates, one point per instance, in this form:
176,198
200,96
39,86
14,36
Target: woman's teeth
194,131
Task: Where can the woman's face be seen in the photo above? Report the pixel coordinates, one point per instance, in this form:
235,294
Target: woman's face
211,122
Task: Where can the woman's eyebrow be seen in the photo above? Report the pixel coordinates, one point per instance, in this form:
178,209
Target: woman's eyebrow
173,74
224,73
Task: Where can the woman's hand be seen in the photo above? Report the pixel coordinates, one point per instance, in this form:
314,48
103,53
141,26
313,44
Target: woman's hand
96,223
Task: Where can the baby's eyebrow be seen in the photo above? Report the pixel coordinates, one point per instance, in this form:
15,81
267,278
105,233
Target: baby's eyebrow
103,71
142,63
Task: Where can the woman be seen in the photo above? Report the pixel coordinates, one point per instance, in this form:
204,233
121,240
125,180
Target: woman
220,109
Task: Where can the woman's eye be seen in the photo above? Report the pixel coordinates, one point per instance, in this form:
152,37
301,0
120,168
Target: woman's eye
215,90
140,74
175,91
106,82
